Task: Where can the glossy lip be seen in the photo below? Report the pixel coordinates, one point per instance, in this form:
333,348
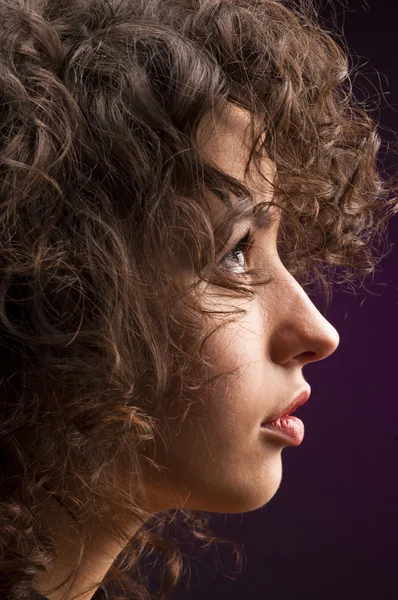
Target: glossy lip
300,399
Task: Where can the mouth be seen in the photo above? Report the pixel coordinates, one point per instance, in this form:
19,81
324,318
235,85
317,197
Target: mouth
300,399
289,430
285,427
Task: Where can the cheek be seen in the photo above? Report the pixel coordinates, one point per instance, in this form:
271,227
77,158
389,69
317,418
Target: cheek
238,372
217,460
228,406
219,439
241,353
241,343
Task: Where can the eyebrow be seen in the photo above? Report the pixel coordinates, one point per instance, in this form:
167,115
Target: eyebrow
259,216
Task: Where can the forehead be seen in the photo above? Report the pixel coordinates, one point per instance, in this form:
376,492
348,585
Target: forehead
224,139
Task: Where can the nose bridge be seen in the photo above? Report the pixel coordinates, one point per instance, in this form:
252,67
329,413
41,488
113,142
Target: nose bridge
300,331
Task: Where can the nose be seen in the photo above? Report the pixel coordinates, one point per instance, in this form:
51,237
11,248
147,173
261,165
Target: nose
301,334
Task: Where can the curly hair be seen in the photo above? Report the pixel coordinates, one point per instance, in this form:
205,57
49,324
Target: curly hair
104,199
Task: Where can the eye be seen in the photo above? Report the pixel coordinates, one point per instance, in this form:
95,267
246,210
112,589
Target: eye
241,249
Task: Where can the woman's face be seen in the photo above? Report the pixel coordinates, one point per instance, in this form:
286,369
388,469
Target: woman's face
220,459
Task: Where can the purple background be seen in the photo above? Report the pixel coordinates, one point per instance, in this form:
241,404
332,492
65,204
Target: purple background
331,530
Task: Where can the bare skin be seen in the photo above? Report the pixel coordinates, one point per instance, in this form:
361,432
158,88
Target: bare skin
219,460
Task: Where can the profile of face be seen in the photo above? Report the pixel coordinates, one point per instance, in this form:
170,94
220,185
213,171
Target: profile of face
219,459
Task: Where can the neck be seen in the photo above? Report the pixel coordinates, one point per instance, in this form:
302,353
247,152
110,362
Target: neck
100,552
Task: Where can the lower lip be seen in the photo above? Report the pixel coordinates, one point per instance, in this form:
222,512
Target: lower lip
290,428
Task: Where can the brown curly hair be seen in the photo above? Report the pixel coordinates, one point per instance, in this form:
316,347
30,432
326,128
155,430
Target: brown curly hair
100,104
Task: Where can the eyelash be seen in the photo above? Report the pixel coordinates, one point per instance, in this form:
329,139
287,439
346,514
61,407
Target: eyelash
244,246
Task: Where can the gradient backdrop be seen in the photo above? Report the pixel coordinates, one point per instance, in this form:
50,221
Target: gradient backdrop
331,530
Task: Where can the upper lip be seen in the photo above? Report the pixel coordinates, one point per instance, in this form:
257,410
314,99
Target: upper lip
300,399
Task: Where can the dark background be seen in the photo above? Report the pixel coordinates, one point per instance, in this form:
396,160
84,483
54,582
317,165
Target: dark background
331,530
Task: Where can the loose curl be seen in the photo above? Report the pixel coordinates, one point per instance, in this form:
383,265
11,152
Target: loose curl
104,200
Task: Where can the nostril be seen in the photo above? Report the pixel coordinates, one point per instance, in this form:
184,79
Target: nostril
308,356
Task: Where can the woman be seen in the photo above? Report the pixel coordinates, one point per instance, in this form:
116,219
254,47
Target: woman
173,176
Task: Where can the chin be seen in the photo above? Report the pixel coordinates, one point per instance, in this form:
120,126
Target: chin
262,489
239,497
240,504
